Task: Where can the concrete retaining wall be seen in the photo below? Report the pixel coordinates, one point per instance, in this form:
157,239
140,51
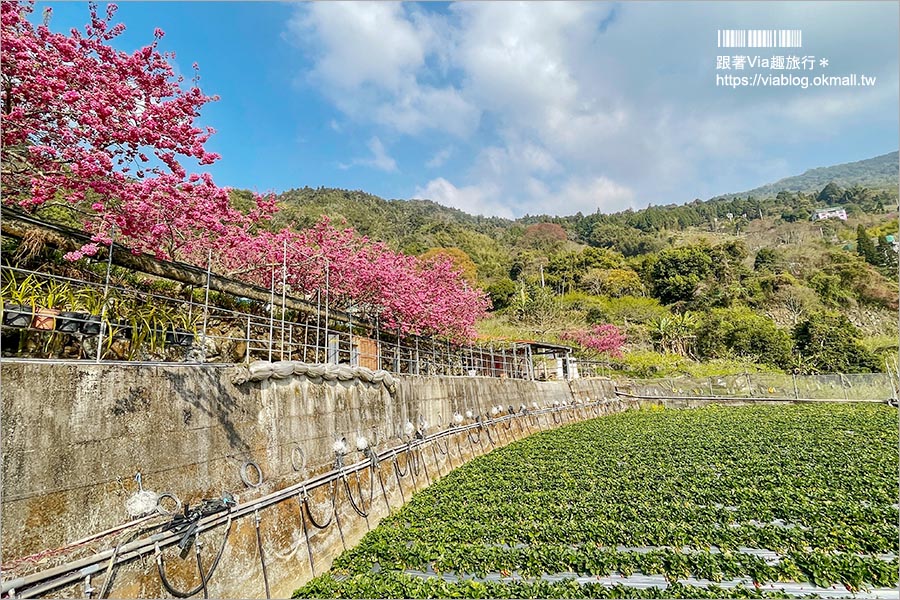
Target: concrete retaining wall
75,435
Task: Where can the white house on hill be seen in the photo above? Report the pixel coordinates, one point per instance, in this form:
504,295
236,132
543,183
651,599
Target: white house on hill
836,212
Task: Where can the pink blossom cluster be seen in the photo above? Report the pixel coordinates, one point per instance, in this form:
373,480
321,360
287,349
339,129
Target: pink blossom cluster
365,276
604,339
101,130
104,132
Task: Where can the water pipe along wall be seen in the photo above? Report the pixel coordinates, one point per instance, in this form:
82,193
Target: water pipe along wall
75,435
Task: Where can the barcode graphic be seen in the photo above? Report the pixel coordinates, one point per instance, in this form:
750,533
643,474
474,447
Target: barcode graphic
760,38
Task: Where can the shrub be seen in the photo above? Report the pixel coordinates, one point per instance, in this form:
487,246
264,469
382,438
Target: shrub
740,332
626,310
830,343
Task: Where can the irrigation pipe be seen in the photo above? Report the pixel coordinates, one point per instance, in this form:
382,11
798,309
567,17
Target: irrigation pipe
749,399
79,570
161,568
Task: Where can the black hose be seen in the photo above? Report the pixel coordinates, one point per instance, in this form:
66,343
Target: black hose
397,475
436,464
446,447
160,567
490,439
337,518
312,567
110,571
397,465
200,567
262,558
360,511
424,465
371,495
416,461
383,491
309,513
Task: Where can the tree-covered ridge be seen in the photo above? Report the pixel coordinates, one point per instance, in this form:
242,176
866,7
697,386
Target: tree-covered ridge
880,172
730,284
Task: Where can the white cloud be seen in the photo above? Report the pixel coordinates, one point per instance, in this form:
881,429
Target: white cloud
380,159
473,199
567,106
368,59
534,197
439,157
361,43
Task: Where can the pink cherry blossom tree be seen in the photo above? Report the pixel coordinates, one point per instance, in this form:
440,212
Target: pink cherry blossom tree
103,133
602,339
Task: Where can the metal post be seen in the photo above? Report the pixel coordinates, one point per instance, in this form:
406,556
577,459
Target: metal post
112,241
350,325
493,363
327,272
283,292
318,321
504,361
271,312
710,386
529,364
397,359
206,303
248,339
306,339
749,384
418,370
377,342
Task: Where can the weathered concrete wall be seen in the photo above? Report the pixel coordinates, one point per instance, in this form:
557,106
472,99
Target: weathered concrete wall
74,435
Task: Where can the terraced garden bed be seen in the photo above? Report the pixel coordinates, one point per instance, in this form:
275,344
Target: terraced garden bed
716,502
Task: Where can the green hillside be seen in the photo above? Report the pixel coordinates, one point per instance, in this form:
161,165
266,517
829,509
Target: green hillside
878,172
733,284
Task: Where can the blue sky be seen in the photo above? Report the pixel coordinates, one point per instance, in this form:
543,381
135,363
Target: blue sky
513,108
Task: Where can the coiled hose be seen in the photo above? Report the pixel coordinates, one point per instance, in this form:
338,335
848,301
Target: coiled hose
204,579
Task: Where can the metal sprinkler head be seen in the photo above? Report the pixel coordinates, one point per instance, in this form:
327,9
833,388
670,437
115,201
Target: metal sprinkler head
469,414
362,443
457,418
408,429
340,446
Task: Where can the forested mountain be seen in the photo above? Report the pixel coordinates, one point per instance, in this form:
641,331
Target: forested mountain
731,284
878,172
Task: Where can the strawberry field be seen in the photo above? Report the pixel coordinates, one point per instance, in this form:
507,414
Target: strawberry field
763,501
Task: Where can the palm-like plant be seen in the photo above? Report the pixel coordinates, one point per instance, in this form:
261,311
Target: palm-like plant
674,334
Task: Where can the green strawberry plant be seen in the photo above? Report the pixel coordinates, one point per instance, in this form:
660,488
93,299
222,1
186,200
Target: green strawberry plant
764,494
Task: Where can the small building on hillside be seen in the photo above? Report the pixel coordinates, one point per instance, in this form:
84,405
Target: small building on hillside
836,212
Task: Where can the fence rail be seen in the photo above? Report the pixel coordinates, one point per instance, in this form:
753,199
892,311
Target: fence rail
774,386
54,316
